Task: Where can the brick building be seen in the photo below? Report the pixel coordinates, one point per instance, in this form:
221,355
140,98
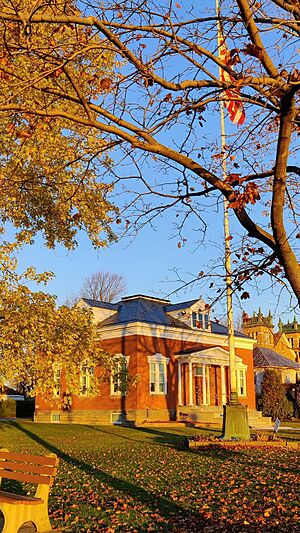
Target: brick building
277,351
291,330
178,354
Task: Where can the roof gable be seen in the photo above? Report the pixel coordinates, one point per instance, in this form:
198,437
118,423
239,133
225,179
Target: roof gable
101,310
266,358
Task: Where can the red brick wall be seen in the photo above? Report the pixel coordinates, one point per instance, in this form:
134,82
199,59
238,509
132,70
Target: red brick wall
139,396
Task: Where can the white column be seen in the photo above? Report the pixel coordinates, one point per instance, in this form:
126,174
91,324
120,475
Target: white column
191,382
204,384
179,384
223,385
208,385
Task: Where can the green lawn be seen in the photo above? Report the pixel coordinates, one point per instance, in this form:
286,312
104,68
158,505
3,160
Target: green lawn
115,479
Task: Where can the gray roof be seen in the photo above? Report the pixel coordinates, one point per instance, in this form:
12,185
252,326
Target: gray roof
103,305
266,358
146,297
144,310
223,330
182,305
149,310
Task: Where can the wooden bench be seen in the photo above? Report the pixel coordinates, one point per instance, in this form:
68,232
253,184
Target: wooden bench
18,509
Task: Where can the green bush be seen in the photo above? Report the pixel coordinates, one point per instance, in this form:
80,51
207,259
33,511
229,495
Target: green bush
8,408
273,395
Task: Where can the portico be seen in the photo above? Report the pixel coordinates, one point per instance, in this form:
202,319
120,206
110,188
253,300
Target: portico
203,377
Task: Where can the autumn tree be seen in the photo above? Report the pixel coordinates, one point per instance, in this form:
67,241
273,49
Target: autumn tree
128,95
36,336
273,394
48,181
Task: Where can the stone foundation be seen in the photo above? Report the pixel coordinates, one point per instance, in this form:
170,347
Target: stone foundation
105,417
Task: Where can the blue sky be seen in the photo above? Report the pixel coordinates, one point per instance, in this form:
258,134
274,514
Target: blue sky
148,262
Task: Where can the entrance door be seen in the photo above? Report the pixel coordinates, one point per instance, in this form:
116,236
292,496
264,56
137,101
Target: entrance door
198,390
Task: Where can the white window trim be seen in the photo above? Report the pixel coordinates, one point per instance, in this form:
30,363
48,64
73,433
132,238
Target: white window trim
56,384
157,359
205,322
90,379
55,418
118,357
241,367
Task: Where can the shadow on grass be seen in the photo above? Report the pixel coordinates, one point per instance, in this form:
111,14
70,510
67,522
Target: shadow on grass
180,518
193,521
158,437
163,437
118,433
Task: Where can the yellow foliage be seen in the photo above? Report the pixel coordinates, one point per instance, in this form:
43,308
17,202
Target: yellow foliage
36,336
48,172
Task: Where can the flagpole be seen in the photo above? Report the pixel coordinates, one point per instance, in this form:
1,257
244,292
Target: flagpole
233,398
235,417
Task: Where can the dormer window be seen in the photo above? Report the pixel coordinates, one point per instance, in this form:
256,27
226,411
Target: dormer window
200,320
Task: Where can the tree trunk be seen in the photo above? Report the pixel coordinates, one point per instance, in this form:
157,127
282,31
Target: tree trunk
285,252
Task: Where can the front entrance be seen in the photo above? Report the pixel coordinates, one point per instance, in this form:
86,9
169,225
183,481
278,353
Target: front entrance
198,390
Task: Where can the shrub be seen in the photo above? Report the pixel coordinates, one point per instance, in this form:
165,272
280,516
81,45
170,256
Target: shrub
8,408
25,408
273,395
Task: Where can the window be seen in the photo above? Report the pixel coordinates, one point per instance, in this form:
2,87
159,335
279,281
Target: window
158,373
267,338
198,371
157,378
57,381
55,417
119,375
241,382
206,321
200,320
194,320
86,379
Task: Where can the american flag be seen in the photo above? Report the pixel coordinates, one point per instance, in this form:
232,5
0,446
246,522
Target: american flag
233,102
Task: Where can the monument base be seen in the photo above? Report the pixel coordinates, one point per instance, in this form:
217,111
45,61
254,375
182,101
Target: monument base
235,422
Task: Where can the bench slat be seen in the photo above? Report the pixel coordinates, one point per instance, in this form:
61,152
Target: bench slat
9,497
26,467
27,458
20,476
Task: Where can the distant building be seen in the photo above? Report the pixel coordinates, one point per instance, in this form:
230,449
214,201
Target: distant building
266,359
7,393
260,328
292,333
279,351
